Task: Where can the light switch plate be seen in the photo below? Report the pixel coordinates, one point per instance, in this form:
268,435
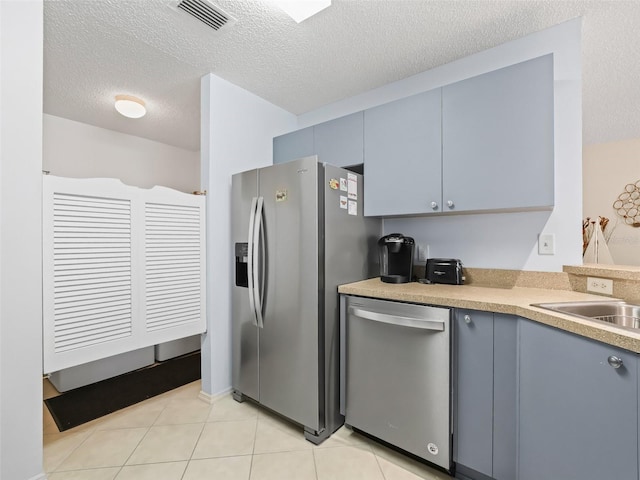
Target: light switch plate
546,244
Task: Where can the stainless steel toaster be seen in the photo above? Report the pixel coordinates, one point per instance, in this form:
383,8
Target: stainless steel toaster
444,270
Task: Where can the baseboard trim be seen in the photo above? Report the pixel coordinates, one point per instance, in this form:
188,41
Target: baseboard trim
211,399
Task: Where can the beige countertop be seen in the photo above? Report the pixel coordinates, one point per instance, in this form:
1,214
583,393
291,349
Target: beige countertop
513,301
621,272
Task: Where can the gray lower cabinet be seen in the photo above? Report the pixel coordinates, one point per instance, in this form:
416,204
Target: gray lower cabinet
505,396
578,416
473,417
402,148
485,394
497,139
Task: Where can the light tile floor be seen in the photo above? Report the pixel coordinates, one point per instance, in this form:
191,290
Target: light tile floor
176,436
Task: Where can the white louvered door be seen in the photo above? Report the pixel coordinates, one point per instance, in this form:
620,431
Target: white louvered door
123,268
174,294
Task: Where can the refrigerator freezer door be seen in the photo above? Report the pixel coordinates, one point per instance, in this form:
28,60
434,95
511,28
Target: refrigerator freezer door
244,332
289,342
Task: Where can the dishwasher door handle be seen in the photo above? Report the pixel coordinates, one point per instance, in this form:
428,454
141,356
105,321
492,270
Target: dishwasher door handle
398,320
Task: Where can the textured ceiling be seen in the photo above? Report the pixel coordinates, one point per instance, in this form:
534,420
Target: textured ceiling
96,49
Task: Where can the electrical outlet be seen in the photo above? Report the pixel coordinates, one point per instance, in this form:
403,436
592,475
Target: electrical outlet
600,285
546,244
423,252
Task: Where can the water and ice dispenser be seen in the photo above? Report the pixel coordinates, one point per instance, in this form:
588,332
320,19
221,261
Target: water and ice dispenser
242,259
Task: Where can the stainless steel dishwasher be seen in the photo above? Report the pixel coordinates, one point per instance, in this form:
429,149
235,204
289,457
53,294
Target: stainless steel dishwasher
396,375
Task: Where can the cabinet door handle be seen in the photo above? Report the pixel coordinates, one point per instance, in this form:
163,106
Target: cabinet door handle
615,362
434,205
450,204
467,319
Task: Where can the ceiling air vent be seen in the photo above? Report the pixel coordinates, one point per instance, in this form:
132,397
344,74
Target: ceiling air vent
208,13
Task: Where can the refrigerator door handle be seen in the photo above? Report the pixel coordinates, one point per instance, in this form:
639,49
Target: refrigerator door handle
258,290
251,260
398,320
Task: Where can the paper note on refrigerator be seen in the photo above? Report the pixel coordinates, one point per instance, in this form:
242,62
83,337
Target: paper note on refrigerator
353,207
352,186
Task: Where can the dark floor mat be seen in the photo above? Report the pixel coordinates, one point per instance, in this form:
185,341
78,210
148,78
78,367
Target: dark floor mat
87,403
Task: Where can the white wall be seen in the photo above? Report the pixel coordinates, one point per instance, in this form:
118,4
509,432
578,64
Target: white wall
608,169
21,35
74,149
237,134
502,240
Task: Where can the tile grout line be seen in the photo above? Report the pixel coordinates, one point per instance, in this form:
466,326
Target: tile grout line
195,445
378,463
186,467
253,447
135,448
72,450
315,462
196,442
142,438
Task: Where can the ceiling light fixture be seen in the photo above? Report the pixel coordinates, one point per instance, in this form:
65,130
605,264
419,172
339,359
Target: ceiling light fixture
130,106
300,10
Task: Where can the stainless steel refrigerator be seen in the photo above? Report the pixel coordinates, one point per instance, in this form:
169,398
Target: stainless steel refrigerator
298,232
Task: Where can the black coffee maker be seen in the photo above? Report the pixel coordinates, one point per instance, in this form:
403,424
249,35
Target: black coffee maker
396,258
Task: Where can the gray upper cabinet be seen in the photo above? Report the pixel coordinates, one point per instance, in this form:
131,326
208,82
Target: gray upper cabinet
293,145
578,414
402,148
485,434
340,141
498,139
481,144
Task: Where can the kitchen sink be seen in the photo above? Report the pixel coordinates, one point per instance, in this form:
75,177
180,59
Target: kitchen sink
617,313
